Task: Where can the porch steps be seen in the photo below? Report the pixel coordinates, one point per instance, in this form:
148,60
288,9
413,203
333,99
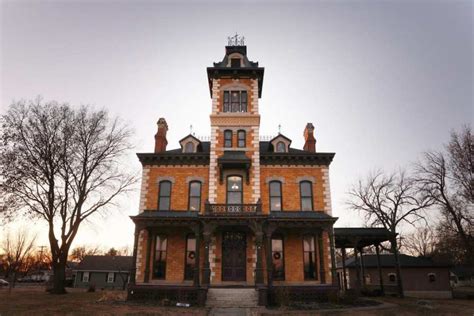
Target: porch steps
232,297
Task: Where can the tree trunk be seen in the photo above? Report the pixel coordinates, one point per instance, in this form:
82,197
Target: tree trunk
59,277
397,266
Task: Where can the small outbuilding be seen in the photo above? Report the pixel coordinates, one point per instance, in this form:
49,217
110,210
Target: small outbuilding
421,277
103,272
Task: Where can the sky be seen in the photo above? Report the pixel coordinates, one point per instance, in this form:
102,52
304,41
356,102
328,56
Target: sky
382,81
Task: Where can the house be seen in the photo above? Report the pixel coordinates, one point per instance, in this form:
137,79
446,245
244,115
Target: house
421,277
237,210
103,272
462,275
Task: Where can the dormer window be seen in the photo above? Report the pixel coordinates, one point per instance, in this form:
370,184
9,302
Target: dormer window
281,147
235,62
189,147
235,101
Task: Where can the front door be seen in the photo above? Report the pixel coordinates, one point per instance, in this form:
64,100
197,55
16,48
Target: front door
234,245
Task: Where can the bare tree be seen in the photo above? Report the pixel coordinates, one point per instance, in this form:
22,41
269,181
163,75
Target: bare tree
18,249
78,253
448,178
388,201
421,243
61,165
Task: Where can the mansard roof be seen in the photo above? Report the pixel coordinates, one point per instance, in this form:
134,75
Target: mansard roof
267,156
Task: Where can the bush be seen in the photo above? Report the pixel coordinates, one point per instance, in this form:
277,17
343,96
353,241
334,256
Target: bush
91,288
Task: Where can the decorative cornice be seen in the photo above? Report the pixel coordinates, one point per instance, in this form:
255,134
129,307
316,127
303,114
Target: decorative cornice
174,158
296,158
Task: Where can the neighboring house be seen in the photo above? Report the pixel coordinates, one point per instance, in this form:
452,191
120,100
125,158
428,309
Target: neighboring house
238,210
462,276
421,277
103,272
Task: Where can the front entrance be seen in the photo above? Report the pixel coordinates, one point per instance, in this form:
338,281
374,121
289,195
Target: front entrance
234,256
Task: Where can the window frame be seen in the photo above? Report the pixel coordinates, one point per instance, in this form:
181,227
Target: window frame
85,276
316,268
241,105
311,196
278,146
241,139
191,197
241,191
227,139
430,275
161,236
109,274
189,274
160,196
394,275
270,195
279,237
189,150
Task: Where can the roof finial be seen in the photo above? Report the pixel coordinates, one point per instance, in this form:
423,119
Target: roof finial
191,129
279,128
235,40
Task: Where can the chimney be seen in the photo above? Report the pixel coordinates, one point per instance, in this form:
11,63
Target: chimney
160,137
309,140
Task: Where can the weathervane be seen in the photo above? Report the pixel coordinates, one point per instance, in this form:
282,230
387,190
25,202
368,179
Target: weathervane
279,128
235,40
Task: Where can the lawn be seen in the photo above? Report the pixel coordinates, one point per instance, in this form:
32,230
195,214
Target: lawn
35,301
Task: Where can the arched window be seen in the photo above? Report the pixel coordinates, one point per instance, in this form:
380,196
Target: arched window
278,258
275,196
190,257
306,195
309,258
164,199
189,147
281,147
234,190
159,266
241,138
194,203
228,138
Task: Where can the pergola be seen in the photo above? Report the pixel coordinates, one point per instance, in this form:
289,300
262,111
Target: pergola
358,238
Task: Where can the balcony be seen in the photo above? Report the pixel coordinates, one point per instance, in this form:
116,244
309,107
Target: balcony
233,209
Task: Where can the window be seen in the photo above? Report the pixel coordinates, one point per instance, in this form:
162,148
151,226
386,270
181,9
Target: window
392,277
235,101
306,195
194,196
159,267
190,257
165,196
189,147
85,277
241,139
228,138
234,190
275,196
110,277
431,277
309,258
281,147
278,258
235,62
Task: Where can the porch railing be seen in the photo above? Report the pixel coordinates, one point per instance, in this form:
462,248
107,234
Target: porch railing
233,209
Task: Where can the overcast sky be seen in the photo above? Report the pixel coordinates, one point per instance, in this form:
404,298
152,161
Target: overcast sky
382,81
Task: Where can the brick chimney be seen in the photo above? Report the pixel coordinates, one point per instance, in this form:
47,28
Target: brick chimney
309,140
160,137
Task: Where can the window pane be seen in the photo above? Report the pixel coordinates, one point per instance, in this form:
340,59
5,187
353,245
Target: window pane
305,189
275,189
235,62
164,204
234,198
241,137
194,203
306,204
243,96
281,148
227,138
275,204
277,245
235,96
195,189
165,188
234,183
189,147
159,267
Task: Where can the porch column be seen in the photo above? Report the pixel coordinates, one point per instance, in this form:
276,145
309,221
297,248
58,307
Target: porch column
357,268
344,277
377,251
197,234
333,257
147,255
362,266
269,259
259,263
322,270
206,271
133,273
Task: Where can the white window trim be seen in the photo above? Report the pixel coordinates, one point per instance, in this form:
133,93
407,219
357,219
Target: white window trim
85,277
394,274
109,275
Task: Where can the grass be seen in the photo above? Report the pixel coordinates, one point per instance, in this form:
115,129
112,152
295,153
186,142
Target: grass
35,301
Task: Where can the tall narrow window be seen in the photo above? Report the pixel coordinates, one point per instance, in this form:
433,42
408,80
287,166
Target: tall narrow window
234,190
226,101
281,148
243,101
275,196
190,257
194,196
189,147
228,138
159,266
306,195
278,258
241,138
164,199
309,258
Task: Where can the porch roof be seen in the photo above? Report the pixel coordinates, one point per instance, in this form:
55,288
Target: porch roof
352,237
